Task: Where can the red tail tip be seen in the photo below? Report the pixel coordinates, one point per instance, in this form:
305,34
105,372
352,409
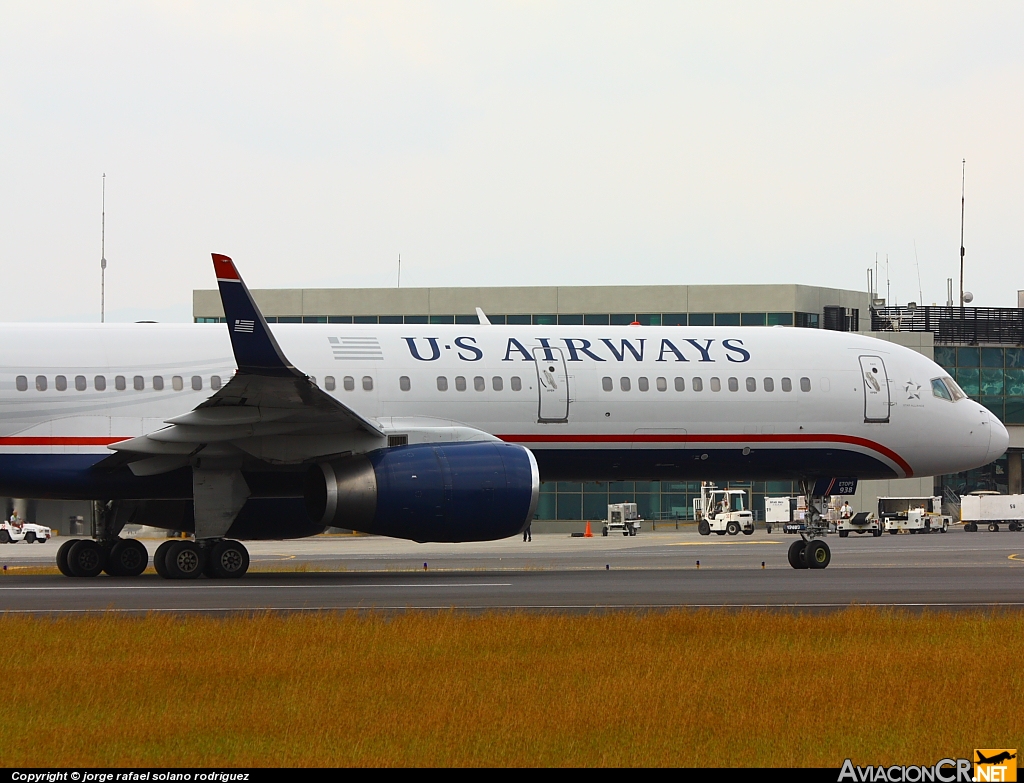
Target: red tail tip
224,267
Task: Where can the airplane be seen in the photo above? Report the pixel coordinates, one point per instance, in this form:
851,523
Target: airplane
996,759
441,432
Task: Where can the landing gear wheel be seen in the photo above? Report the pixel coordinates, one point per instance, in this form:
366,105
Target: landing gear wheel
817,554
704,528
846,533
62,556
227,560
796,554
127,557
185,560
993,527
160,558
86,558
733,528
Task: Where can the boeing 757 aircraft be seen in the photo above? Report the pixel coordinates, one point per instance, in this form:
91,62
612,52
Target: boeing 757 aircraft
440,433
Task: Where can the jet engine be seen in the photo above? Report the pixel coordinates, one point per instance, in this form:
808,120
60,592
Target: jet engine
477,491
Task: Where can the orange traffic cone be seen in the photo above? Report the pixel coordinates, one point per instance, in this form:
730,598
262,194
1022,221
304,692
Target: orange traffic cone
588,534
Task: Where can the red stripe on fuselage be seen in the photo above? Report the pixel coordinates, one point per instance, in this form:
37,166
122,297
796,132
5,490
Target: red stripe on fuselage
688,438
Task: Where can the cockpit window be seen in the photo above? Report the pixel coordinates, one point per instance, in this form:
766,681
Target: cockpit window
954,389
939,389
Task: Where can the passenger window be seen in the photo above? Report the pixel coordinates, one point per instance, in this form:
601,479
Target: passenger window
478,383
215,383
460,383
716,384
80,383
787,385
349,383
769,384
403,383
40,383
805,384
100,382
698,384
367,383
939,390
442,383
61,383
496,383
119,383
329,383
606,383
624,384
734,384
158,383
643,384
662,384
177,383
680,384
138,383
517,383
21,382
197,382
751,385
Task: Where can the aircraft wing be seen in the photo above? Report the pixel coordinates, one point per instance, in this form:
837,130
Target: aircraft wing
269,409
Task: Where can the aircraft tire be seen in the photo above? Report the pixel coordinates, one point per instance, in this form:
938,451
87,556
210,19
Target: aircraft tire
127,557
796,554
817,555
86,558
732,528
62,556
704,528
227,560
160,558
185,560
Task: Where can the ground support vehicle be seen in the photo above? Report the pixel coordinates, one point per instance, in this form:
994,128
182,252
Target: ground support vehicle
913,515
860,523
27,532
722,511
992,509
622,518
788,513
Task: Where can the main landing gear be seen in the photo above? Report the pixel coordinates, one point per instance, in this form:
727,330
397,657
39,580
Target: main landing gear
809,554
176,559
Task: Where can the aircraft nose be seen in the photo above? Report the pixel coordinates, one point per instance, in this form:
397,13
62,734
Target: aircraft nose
999,438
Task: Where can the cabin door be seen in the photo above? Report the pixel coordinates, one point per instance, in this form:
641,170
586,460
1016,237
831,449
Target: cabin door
876,389
552,385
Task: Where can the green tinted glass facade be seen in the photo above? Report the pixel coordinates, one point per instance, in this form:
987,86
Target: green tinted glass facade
994,376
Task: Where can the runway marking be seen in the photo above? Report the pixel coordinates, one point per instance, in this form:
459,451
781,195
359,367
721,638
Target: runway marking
719,543
251,586
1015,558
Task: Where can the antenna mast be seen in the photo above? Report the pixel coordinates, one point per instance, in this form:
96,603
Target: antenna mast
399,270
103,251
920,293
963,183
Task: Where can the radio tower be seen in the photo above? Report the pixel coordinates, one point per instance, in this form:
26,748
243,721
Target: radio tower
963,183
103,251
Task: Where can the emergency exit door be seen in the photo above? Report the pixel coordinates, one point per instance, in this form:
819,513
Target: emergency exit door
876,389
552,385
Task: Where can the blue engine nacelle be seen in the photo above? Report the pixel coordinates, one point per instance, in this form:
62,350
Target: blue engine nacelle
477,491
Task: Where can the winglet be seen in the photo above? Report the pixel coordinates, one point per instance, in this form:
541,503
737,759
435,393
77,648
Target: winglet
256,350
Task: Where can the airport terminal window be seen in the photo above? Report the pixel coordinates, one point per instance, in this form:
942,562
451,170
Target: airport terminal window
517,383
702,319
21,382
643,384
662,384
349,383
545,320
753,319
61,383
367,383
780,319
100,383
158,383
673,319
467,319
734,384
390,319
197,382
805,384
624,384
479,384
80,383
769,384
621,319
649,319
329,383
606,383
716,384
939,390
570,320
442,319
595,320
787,385
497,383
176,383
138,383
442,383
416,319
460,383
40,383
751,385
680,384
215,383
314,319
518,320
403,383
698,384
364,319
339,319
727,319
120,384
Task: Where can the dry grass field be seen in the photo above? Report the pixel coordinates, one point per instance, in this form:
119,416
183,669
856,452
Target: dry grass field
678,688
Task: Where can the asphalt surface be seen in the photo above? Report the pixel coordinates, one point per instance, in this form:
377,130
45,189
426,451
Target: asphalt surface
553,572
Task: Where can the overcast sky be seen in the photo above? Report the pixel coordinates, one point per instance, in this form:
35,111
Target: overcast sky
511,143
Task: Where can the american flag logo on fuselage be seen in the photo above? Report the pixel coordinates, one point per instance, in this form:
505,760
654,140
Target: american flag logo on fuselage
242,325
349,348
